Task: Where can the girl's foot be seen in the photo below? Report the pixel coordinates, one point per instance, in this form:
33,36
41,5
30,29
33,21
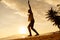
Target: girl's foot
36,34
29,35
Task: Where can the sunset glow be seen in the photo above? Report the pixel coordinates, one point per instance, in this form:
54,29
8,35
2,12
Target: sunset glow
22,30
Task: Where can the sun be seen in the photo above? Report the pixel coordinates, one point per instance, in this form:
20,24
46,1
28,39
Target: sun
22,30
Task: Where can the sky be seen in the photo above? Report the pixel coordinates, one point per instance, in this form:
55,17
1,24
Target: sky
14,16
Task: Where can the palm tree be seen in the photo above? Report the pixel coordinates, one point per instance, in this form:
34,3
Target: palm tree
52,15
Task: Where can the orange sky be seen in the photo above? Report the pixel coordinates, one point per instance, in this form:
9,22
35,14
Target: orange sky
13,16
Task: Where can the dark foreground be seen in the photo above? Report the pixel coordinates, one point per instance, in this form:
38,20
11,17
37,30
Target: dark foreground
51,36
54,36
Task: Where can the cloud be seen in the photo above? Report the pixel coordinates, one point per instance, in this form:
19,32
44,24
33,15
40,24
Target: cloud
38,7
9,3
21,6
53,2
18,5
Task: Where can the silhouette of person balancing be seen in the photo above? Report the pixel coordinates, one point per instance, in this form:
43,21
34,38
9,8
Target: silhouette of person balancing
31,19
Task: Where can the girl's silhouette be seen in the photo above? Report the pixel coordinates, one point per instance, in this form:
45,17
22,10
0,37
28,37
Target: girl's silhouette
31,19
